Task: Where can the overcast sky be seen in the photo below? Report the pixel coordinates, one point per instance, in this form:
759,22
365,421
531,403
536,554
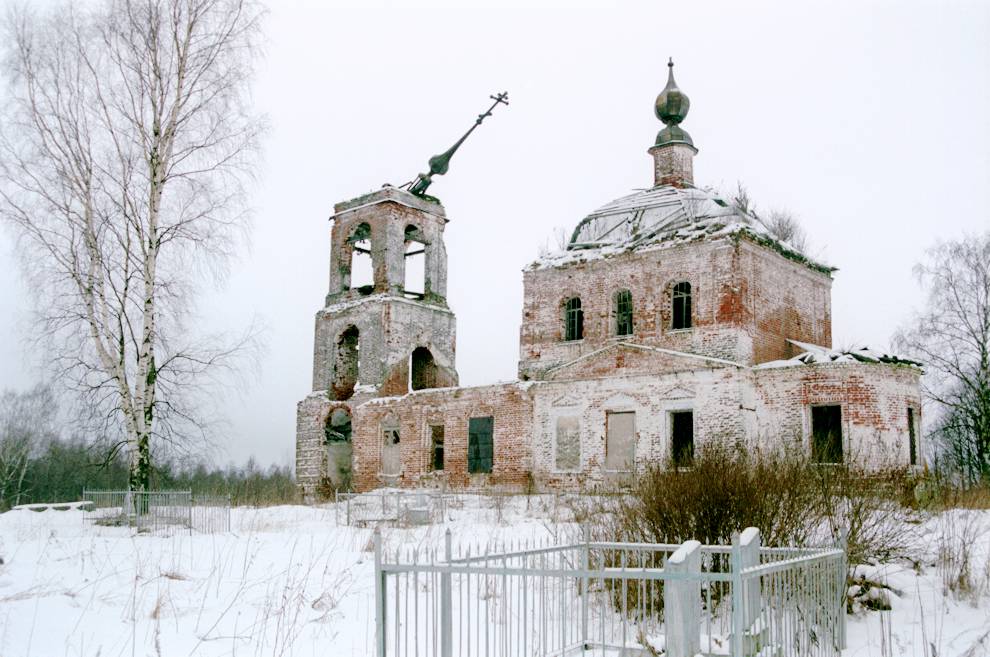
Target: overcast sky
868,120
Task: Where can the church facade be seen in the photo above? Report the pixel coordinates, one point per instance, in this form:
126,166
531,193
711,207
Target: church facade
673,320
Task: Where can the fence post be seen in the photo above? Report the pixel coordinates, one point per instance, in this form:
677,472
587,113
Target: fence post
736,635
682,601
446,616
749,546
190,514
585,565
380,585
843,573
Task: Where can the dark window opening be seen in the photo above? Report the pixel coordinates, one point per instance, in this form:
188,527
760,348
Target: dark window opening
826,434
623,313
414,282
480,444
362,267
391,451
682,438
422,369
681,313
338,426
912,438
620,441
347,357
436,447
573,320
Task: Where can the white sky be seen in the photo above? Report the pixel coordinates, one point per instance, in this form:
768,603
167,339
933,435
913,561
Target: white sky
869,120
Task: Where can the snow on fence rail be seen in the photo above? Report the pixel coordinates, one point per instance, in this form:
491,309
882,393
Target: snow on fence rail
615,599
156,510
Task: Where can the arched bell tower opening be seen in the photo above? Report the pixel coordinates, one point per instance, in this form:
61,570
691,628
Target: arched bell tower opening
362,267
414,266
346,365
423,372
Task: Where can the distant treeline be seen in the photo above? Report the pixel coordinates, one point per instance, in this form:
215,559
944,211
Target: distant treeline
62,469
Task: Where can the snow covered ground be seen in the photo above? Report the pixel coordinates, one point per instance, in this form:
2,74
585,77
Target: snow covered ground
290,581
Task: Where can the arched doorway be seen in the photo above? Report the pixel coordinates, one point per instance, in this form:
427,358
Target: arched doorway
339,448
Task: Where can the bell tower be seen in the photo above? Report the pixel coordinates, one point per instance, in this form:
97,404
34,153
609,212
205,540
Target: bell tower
386,328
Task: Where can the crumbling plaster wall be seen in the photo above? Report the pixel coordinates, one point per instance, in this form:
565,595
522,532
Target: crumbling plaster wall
390,329
874,398
511,406
715,396
746,299
388,213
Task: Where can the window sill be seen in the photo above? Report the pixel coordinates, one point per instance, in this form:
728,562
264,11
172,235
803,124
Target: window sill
680,330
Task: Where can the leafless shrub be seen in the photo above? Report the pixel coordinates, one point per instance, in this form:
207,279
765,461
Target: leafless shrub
959,532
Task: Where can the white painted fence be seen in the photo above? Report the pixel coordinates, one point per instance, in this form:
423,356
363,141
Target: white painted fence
616,599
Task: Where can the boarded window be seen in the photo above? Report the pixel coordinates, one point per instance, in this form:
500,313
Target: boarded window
573,320
480,444
620,441
826,434
681,311
436,447
567,455
682,438
623,313
912,438
391,451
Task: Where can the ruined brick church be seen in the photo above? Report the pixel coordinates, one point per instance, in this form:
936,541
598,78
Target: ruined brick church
672,320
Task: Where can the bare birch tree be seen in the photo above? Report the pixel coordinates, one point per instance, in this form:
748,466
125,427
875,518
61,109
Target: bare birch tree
951,336
126,145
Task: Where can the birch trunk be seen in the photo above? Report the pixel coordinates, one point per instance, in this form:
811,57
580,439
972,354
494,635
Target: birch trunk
123,159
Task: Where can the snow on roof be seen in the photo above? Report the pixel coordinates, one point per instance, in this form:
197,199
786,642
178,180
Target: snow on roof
814,354
664,216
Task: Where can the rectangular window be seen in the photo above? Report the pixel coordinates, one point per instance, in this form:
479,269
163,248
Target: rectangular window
681,311
573,320
682,438
567,454
912,438
620,441
436,446
826,434
480,444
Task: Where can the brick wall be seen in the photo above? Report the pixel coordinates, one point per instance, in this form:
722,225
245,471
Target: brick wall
746,299
511,405
874,399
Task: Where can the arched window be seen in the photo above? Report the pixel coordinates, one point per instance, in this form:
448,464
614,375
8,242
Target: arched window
573,319
623,310
681,312
362,267
414,280
345,363
422,369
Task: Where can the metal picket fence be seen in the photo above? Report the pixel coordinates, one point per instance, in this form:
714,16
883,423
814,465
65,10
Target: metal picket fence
395,507
160,510
614,599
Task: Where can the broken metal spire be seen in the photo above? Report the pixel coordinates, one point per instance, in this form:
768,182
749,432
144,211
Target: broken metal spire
440,163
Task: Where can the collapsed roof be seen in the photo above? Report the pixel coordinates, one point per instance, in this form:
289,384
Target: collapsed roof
665,215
